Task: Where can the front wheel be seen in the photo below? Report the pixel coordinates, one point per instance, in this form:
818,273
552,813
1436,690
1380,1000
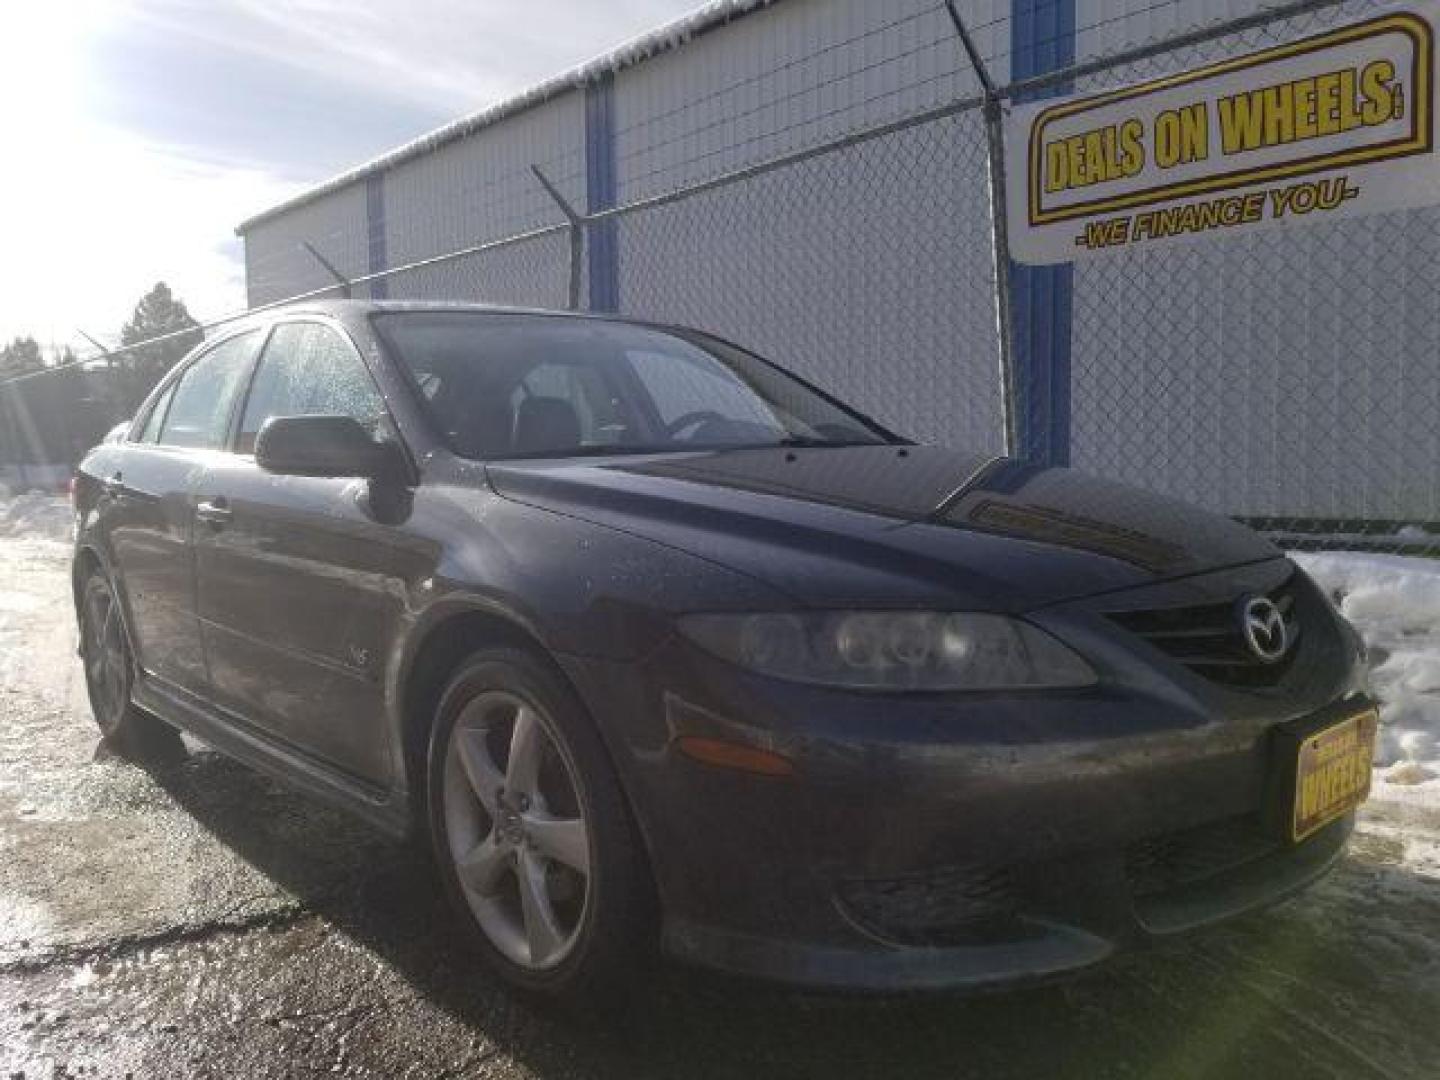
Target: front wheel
532,833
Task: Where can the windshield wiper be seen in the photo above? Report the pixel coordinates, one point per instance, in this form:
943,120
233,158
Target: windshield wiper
813,441
805,441
593,450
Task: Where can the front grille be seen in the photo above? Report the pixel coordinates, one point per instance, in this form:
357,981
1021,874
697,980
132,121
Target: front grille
940,907
1207,638
1174,860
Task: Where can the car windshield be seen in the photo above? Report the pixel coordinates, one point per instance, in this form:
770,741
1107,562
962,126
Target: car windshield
513,385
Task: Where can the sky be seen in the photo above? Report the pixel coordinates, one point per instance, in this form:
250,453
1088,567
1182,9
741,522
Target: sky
139,133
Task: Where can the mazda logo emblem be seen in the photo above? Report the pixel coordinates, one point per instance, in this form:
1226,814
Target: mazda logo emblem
1264,628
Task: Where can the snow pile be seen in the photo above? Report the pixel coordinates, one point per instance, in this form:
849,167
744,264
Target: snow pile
667,36
1394,601
36,515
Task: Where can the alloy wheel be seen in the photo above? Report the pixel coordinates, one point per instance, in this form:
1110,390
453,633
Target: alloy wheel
106,656
516,829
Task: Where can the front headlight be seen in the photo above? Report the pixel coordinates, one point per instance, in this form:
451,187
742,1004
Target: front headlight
900,650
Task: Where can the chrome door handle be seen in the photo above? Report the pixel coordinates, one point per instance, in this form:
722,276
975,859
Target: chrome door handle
215,513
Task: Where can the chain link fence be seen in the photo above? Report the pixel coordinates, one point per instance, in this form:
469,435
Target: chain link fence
1286,377
530,272
1256,375
816,263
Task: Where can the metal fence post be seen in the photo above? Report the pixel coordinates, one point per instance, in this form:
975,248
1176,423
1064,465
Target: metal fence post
1000,241
577,235
601,193
999,230
1042,38
376,256
577,261
340,278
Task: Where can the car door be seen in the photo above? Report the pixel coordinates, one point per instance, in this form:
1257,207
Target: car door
301,586
147,509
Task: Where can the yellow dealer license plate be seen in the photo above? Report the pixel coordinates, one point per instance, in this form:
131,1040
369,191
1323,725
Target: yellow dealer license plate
1332,775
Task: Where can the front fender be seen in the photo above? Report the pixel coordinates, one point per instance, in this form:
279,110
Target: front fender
561,585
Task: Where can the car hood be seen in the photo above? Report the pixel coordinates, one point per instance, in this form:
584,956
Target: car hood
892,525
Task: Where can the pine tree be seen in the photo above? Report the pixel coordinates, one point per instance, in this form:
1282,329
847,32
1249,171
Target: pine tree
20,357
159,312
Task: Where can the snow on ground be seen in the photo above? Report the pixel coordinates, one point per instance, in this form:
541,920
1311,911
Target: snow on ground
36,515
1394,601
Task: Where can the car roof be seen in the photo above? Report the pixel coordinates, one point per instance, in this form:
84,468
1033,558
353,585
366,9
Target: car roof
342,309
356,310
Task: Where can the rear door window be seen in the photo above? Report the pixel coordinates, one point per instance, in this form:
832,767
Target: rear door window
309,369
204,398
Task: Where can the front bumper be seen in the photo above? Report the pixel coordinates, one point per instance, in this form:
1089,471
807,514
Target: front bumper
1067,915
937,841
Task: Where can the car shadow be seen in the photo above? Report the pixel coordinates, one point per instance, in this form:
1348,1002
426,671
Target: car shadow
1285,993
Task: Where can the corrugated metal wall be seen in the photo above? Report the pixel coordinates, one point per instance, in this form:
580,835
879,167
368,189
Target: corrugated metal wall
481,188
785,78
1106,27
277,266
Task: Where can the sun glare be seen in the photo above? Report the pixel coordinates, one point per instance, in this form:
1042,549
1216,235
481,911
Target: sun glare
92,214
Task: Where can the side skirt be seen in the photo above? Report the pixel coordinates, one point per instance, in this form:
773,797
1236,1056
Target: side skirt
387,810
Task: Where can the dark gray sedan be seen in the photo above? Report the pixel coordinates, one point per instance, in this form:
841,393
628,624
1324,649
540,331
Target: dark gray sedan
659,645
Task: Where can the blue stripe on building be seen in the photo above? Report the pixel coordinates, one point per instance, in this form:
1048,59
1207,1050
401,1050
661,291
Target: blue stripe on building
376,258
1042,39
602,248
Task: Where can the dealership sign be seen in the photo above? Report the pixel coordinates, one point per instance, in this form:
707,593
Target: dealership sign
1333,125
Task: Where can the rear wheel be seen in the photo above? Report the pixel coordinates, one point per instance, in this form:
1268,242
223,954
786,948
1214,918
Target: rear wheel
531,831
110,673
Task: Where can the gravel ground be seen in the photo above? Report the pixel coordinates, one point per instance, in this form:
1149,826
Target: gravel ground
196,919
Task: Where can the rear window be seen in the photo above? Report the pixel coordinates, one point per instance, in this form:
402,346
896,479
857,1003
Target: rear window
156,416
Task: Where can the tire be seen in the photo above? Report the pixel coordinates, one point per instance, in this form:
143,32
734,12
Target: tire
109,668
503,813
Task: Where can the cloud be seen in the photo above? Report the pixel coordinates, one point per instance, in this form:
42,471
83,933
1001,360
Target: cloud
436,54
92,215
98,220
139,132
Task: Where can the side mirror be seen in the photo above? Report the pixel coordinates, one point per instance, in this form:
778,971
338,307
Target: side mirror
324,446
